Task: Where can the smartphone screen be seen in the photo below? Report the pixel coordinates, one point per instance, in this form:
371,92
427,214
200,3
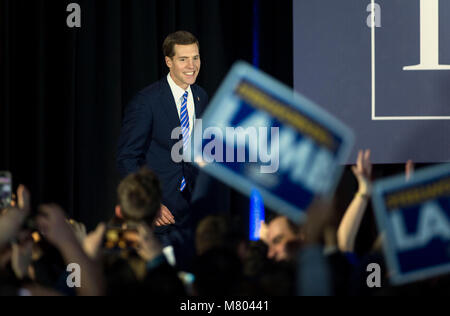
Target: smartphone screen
5,189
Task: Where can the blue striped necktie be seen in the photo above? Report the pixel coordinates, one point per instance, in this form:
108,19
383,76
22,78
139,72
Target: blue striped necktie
184,118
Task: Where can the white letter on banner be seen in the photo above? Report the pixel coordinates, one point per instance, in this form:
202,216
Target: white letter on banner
432,223
429,37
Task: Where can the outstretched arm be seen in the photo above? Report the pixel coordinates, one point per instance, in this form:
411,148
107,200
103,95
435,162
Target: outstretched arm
349,227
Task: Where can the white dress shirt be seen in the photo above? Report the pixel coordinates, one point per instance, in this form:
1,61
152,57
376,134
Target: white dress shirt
178,93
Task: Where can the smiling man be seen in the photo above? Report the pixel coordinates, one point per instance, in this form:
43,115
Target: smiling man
173,102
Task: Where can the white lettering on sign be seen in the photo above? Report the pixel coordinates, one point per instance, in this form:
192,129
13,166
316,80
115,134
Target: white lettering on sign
432,223
306,164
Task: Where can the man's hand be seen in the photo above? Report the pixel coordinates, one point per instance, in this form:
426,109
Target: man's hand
54,227
148,246
363,172
10,223
164,217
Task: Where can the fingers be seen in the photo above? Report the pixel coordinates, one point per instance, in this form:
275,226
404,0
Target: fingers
167,215
367,164
100,230
167,218
355,170
164,217
359,161
93,241
23,198
53,212
158,222
15,249
363,165
409,169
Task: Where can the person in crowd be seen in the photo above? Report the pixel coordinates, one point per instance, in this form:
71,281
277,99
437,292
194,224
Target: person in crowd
139,196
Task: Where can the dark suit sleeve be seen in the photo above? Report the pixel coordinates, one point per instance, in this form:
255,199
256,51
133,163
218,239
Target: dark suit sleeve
135,135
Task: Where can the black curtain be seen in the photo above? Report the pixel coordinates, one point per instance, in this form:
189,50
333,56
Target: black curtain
63,90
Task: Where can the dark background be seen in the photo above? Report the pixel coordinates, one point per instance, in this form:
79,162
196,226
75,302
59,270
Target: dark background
63,91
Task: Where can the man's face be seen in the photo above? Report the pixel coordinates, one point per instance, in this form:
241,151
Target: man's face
185,65
279,235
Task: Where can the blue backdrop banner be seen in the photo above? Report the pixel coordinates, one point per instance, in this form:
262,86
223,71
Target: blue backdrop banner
414,217
383,68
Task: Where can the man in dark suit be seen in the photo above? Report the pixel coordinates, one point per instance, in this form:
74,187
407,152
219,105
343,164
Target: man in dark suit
173,102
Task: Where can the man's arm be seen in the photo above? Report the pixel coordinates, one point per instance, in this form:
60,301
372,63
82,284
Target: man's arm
134,136
57,231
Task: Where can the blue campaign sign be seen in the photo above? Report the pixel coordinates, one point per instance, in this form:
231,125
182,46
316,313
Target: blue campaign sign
259,134
415,219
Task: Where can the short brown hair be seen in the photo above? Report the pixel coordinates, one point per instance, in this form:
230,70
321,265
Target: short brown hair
140,196
178,38
212,232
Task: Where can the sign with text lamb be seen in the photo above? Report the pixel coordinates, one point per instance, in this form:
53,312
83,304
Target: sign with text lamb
415,218
259,134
